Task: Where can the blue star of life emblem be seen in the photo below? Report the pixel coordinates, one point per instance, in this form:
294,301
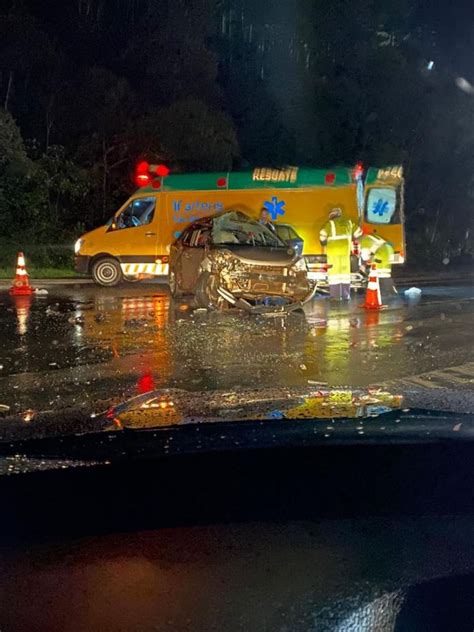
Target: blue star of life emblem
380,207
275,207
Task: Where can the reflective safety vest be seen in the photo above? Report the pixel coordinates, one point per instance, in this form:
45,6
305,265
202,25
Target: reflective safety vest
339,228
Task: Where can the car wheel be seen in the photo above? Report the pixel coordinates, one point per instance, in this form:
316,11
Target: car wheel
206,292
107,272
173,285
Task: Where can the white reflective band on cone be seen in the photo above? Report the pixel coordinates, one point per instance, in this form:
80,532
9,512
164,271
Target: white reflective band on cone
21,272
21,261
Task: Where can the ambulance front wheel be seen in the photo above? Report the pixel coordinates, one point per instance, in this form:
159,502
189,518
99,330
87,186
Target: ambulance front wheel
107,272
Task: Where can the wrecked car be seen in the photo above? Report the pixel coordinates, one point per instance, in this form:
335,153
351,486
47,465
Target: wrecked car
230,259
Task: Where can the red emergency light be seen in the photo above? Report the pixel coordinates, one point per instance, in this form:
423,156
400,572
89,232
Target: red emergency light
221,182
358,171
142,179
142,175
162,171
330,178
142,167
145,174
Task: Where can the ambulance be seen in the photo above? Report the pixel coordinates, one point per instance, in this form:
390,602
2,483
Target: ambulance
135,243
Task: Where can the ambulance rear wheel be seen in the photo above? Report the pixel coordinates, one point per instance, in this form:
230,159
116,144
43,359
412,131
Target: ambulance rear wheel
107,272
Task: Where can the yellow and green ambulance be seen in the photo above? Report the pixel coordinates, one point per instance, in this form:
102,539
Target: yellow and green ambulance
135,243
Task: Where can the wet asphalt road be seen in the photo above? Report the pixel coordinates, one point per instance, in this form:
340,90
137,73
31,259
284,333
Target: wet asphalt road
84,346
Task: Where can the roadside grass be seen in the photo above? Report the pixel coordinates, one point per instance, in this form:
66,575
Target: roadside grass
40,273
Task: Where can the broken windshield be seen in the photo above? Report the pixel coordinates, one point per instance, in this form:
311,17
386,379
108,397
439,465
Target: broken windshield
238,229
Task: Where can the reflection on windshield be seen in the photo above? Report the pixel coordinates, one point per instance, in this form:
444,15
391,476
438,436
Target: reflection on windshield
236,228
172,407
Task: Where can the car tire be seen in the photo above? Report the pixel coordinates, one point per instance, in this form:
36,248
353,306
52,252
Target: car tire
173,285
107,272
206,292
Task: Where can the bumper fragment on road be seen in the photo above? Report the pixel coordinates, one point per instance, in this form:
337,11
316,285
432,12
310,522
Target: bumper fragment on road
241,303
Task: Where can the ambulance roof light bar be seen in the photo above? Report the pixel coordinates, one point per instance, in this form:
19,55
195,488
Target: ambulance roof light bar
144,173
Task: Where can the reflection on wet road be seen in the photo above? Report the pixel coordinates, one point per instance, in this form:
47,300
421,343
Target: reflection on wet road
80,346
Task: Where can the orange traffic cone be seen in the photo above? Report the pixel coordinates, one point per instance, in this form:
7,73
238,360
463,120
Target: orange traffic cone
21,285
373,299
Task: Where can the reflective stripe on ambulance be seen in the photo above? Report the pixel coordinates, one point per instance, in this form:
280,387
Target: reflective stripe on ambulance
134,269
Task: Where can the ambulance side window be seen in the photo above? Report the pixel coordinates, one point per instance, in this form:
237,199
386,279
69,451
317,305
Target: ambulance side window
381,206
139,212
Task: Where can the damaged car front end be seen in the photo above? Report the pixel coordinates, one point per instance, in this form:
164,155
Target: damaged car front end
231,259
269,283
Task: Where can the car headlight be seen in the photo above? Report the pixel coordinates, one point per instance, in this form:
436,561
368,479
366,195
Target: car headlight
300,265
78,245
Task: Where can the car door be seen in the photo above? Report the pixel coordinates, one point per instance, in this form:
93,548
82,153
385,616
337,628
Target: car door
132,235
189,255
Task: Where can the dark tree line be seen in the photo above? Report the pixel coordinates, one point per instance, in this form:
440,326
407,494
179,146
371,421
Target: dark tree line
88,87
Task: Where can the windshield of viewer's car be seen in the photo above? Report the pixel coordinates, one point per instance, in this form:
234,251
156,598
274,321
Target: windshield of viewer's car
238,229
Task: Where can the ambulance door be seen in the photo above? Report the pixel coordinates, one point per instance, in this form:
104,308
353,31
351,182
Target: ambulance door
132,236
383,217
384,208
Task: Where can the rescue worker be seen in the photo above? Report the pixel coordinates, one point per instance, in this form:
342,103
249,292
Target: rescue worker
374,249
336,235
265,219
